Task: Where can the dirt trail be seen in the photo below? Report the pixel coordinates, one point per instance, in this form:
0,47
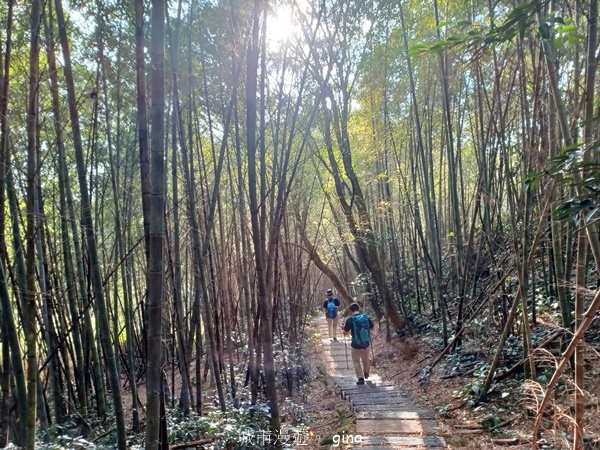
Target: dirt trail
386,418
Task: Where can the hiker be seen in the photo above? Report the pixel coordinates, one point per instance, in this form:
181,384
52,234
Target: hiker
360,325
330,305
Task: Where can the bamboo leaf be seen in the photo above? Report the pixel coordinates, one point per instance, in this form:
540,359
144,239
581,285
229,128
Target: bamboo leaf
418,49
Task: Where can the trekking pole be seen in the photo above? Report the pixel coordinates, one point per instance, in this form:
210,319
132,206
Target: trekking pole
372,353
346,350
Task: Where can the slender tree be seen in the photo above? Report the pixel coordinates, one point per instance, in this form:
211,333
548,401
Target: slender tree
156,229
87,222
30,304
7,309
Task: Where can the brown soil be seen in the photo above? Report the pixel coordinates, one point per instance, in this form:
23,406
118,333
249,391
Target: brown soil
402,360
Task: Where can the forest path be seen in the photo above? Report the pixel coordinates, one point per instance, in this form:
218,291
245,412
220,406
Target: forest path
386,418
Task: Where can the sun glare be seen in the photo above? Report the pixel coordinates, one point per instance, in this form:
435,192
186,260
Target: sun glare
281,26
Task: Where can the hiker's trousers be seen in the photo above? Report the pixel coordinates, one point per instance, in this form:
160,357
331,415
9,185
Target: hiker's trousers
361,356
332,325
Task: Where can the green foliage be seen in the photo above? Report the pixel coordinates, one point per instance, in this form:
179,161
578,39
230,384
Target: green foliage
532,180
572,209
545,376
246,426
567,34
243,425
66,442
472,36
67,434
185,428
563,168
491,421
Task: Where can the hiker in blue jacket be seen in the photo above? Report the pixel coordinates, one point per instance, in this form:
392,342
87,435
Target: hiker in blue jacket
360,325
330,305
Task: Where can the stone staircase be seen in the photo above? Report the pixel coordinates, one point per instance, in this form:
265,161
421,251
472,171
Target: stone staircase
386,417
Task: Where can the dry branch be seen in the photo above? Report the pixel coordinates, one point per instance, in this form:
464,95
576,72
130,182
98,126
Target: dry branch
469,431
509,441
457,406
191,444
577,337
468,426
458,374
501,425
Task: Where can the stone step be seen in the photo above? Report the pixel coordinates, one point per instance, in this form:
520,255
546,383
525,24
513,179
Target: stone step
404,415
374,393
359,404
324,335
388,407
349,392
340,343
403,441
370,447
367,387
348,369
373,379
371,385
373,427
386,418
371,388
341,365
350,383
375,389
339,352
368,400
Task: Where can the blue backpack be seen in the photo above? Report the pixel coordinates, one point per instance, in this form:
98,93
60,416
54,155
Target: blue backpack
331,312
361,331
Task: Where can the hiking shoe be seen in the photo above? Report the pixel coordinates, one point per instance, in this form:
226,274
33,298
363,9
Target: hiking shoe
334,339
366,376
361,381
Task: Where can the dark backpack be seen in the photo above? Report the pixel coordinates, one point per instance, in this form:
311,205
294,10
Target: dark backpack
331,312
361,331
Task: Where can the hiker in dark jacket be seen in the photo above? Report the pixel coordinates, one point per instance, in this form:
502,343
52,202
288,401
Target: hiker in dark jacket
359,325
331,305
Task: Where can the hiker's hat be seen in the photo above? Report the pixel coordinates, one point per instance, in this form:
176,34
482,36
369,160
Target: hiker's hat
329,292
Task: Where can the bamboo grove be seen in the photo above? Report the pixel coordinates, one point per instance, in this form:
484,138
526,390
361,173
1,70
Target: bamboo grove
180,181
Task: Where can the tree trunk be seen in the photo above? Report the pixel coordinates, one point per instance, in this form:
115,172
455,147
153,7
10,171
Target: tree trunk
452,177
327,271
266,330
581,266
430,222
30,304
87,221
156,215
66,250
7,308
186,391
580,285
142,116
